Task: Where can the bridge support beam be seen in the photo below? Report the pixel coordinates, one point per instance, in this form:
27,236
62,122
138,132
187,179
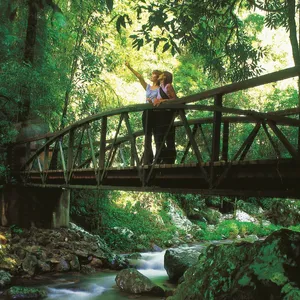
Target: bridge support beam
61,213
26,206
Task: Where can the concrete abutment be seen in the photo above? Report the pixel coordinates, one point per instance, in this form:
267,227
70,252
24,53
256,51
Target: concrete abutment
31,206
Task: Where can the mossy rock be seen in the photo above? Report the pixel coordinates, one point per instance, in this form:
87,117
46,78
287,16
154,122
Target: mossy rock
265,269
134,282
19,292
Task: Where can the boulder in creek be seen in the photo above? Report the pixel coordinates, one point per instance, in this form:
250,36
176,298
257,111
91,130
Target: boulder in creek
177,261
118,262
19,292
132,281
134,255
87,269
5,279
266,269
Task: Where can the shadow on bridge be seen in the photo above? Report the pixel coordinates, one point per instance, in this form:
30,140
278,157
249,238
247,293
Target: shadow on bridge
220,150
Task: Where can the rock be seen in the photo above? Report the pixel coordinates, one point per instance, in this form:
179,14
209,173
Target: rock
132,281
119,262
62,266
74,263
211,228
177,261
268,269
251,238
124,231
61,250
284,212
140,248
266,223
96,263
19,251
176,241
156,248
5,279
29,264
168,243
208,215
81,253
87,269
178,217
244,217
135,255
18,292
249,208
43,266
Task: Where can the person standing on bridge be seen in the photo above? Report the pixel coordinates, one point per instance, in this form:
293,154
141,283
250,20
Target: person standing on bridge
165,117
151,95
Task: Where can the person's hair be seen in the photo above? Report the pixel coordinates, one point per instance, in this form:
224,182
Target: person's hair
157,72
169,77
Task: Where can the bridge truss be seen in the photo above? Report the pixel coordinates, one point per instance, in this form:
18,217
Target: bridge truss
107,150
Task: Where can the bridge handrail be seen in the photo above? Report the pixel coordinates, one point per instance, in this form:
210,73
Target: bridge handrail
230,88
239,86
206,120
184,104
261,80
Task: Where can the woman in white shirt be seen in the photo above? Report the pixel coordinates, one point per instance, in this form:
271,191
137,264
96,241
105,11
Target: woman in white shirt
151,95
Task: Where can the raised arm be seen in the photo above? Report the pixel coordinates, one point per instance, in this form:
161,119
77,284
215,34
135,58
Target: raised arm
138,75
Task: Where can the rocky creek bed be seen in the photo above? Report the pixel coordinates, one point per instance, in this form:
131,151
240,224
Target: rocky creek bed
242,270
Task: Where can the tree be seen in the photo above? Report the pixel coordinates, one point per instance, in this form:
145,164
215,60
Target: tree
218,30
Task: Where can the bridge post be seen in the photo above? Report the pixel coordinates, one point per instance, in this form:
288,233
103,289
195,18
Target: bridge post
217,122
216,129
225,141
61,213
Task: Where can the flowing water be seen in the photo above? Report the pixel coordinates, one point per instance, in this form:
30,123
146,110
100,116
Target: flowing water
102,285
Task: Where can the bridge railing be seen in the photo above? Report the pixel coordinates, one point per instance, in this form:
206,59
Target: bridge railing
115,139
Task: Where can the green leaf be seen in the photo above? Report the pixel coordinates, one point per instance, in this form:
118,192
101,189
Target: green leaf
118,23
166,47
110,4
155,44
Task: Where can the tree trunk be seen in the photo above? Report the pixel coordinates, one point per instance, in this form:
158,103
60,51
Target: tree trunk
293,31
299,80
30,42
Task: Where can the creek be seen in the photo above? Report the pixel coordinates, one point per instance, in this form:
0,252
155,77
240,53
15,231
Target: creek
101,285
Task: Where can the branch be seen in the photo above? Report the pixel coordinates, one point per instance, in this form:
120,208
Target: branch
272,10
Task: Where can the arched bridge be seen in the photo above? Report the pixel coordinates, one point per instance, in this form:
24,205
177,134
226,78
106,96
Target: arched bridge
220,149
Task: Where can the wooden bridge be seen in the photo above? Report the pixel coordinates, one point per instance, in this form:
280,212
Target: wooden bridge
221,150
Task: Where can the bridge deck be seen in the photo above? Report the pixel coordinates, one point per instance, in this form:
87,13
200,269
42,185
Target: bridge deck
272,178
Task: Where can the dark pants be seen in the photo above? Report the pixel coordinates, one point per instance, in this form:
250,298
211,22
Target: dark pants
162,120
148,129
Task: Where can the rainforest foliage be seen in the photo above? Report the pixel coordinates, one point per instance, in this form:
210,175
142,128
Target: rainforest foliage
61,61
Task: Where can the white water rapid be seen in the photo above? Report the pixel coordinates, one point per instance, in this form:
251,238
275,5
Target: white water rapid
101,286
